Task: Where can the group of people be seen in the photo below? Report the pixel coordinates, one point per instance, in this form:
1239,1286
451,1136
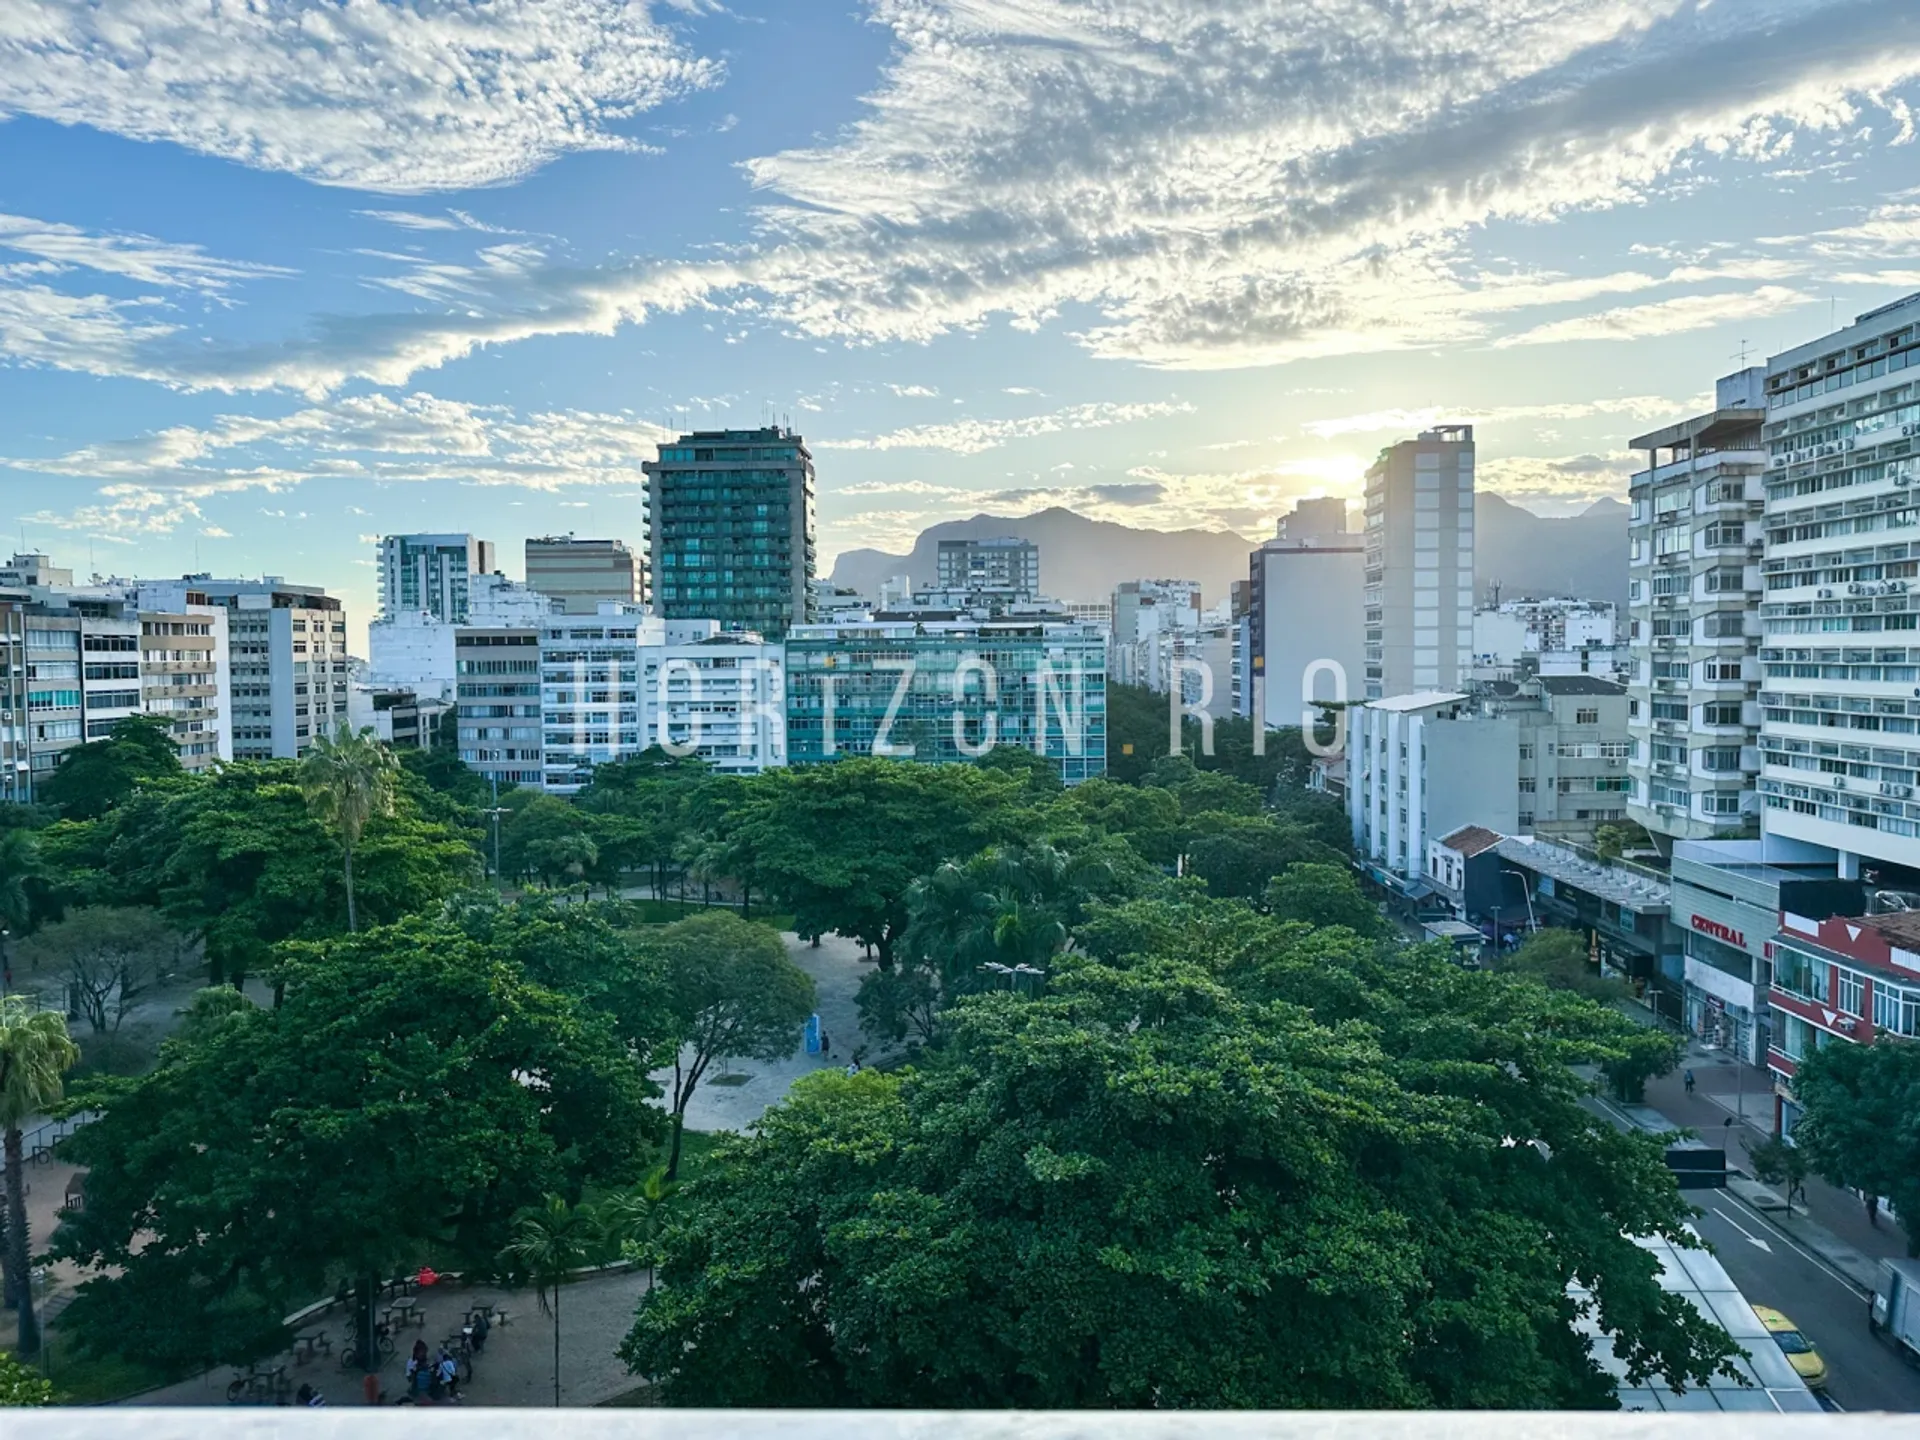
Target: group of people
435,1378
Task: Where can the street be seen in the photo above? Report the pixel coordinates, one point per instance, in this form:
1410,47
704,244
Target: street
1772,1269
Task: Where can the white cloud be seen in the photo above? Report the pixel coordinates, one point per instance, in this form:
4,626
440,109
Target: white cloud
399,98
1665,317
1564,484
970,437
915,392
137,257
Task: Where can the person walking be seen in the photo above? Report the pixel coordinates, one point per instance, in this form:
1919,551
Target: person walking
1687,1081
826,1046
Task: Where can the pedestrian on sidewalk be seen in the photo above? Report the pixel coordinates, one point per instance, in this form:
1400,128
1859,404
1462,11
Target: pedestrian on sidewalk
1687,1080
826,1046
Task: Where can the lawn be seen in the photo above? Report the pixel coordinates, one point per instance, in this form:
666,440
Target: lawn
89,1380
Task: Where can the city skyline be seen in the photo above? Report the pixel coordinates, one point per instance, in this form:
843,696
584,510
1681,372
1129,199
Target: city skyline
244,342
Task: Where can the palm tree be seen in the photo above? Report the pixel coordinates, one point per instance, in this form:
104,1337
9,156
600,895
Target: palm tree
631,1220
348,778
19,863
35,1052
548,1241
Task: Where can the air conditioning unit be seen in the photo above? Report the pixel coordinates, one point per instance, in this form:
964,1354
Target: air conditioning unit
1839,782
1826,594
1903,479
1906,431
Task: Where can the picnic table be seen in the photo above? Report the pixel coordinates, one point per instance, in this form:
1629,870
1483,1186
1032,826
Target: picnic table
406,1311
309,1343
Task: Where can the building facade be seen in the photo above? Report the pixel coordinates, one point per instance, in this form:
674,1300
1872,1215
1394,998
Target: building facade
185,677
287,653
414,650
1422,766
431,574
1305,634
1840,747
498,713
948,690
620,682
731,526
1694,589
1418,578
1007,563
1574,754
583,575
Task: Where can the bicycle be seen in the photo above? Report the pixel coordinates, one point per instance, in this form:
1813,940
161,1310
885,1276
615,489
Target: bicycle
384,1345
460,1347
256,1387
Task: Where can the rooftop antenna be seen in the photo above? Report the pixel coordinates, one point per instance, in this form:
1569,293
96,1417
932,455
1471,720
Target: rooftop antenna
1744,347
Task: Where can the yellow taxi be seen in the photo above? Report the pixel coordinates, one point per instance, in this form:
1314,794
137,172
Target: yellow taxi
1799,1351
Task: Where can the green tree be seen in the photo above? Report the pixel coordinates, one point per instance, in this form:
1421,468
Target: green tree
1142,1186
535,841
1200,791
550,1241
35,1053
1860,1122
20,1387
20,864
412,1092
840,845
1238,855
110,956
1781,1163
1322,895
94,778
1559,960
348,780
734,994
631,1221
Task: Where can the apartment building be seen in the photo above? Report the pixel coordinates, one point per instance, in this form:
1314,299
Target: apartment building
16,751
1418,577
287,651
942,690
414,650
730,517
1144,611
1306,598
498,707
1574,753
431,574
185,676
1840,655
1695,537
1421,766
619,682
1004,564
583,575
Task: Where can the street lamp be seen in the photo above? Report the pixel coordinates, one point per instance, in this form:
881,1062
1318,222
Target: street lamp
1526,891
6,963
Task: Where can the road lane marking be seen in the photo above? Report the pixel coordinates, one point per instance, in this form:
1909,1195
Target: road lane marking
1752,1239
1819,1262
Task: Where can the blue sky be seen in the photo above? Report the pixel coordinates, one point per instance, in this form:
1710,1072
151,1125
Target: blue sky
277,278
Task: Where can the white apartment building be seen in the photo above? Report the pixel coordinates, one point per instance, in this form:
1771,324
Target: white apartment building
287,649
616,683
415,650
431,573
185,674
1840,697
1421,766
1306,598
497,723
1695,536
1419,564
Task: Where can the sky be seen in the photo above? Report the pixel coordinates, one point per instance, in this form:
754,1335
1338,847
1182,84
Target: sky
279,277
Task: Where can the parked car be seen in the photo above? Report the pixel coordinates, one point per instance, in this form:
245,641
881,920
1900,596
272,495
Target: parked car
1799,1350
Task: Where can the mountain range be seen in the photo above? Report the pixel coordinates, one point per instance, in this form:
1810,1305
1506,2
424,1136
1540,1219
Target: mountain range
1581,556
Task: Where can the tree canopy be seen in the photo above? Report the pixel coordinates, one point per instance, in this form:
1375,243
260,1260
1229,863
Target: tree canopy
1860,1121
412,1092
95,777
1223,1160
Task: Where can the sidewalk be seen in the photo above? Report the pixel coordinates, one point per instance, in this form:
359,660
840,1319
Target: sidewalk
1732,1105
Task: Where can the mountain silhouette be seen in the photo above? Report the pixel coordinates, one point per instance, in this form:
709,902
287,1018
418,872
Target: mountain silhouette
1582,556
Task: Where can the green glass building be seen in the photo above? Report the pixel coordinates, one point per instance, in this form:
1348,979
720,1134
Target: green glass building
731,528
948,690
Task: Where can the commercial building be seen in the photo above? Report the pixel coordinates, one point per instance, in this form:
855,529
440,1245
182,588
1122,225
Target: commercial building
1694,591
1841,980
731,524
431,574
1305,635
1006,564
287,651
619,682
1728,897
583,575
1418,578
1840,656
498,709
948,690
1424,765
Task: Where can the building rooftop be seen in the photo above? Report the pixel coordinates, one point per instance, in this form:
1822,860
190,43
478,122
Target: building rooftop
1418,700
1579,685
1472,840
1902,927
1621,887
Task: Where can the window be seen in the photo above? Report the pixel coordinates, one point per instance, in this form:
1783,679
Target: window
1851,993
1587,717
1727,713
1720,759
1526,785
1672,709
